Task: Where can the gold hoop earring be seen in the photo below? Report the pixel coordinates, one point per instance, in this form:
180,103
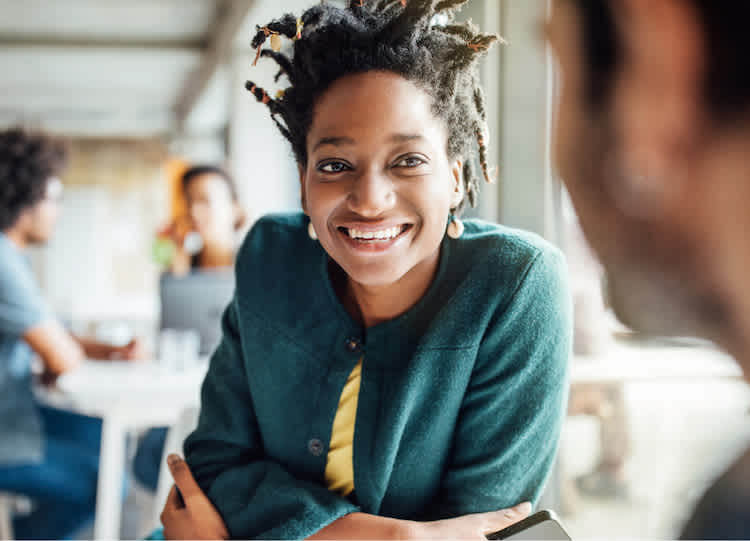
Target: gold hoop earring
455,227
311,231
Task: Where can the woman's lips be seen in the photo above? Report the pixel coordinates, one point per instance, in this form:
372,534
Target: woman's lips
371,239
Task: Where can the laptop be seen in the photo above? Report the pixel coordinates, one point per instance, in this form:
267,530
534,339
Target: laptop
196,301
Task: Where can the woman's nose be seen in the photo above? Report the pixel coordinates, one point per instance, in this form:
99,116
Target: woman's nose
372,194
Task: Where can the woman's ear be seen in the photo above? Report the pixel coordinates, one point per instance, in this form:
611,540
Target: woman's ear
457,194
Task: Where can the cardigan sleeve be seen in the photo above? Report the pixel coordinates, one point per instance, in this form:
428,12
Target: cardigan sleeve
256,497
511,415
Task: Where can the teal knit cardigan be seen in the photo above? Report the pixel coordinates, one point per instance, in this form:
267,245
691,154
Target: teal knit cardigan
461,399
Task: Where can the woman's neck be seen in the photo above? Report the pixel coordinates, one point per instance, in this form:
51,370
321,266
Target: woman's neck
371,305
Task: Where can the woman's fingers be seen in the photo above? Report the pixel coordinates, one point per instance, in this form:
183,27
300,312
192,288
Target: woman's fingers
497,520
475,525
183,478
520,511
173,499
172,507
135,350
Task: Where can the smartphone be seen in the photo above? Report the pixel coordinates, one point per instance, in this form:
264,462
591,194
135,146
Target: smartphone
540,525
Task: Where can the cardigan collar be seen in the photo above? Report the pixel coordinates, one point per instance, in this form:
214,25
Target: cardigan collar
392,335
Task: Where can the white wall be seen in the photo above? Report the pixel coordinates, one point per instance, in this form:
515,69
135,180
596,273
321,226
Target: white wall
97,266
260,157
75,274
529,196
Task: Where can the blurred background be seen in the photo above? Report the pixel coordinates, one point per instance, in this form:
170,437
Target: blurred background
144,88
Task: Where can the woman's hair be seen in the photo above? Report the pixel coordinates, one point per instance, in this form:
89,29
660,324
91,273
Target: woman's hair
27,162
199,170
416,39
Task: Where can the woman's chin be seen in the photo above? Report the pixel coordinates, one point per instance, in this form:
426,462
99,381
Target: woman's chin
373,274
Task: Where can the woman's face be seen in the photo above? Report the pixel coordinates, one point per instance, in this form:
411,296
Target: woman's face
211,207
378,185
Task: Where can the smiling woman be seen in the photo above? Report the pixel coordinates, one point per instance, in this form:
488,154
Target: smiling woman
379,198
386,371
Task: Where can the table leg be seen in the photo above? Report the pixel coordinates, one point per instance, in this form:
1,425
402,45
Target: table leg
109,485
6,522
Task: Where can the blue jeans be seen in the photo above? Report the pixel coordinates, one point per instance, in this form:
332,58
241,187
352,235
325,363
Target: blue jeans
62,486
147,461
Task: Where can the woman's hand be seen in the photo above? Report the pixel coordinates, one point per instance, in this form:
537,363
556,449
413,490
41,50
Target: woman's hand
189,514
169,247
193,516
134,350
474,526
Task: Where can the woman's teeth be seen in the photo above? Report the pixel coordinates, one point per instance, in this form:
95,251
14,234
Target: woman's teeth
385,234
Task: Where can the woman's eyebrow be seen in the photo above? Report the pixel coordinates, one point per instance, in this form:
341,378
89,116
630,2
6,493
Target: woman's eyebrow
341,141
335,141
405,137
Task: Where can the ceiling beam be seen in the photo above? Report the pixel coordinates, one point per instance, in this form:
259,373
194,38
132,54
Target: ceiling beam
33,42
230,16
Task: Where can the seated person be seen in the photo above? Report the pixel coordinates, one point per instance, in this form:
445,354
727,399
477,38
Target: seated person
214,213
214,220
386,369
49,455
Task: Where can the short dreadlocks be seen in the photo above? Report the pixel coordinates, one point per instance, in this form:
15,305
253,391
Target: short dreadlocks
399,36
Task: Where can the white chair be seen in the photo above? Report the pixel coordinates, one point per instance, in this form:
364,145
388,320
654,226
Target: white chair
186,423
12,504
6,522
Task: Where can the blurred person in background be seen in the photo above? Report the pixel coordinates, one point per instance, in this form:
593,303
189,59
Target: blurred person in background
652,141
208,235
46,454
205,239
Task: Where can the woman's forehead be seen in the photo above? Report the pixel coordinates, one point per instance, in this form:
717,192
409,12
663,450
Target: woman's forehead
380,105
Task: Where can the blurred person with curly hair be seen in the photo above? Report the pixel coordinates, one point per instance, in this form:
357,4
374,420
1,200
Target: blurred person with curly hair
49,455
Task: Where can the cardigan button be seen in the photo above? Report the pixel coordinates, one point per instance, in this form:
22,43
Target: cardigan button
353,345
315,446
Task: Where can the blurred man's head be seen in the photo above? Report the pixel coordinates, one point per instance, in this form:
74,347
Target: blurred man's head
29,185
652,141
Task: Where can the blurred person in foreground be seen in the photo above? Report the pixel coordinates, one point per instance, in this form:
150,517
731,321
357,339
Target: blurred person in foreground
214,222
49,455
652,140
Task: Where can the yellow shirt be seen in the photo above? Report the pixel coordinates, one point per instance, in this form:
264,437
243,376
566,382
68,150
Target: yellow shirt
340,463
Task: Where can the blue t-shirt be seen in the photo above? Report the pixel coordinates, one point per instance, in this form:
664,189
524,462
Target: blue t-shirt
21,307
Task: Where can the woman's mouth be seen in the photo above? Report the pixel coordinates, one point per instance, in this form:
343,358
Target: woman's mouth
373,240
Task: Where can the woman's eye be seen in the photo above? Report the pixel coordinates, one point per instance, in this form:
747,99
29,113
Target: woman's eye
410,161
333,167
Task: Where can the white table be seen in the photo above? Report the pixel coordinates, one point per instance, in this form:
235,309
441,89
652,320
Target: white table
124,396
137,395
626,361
